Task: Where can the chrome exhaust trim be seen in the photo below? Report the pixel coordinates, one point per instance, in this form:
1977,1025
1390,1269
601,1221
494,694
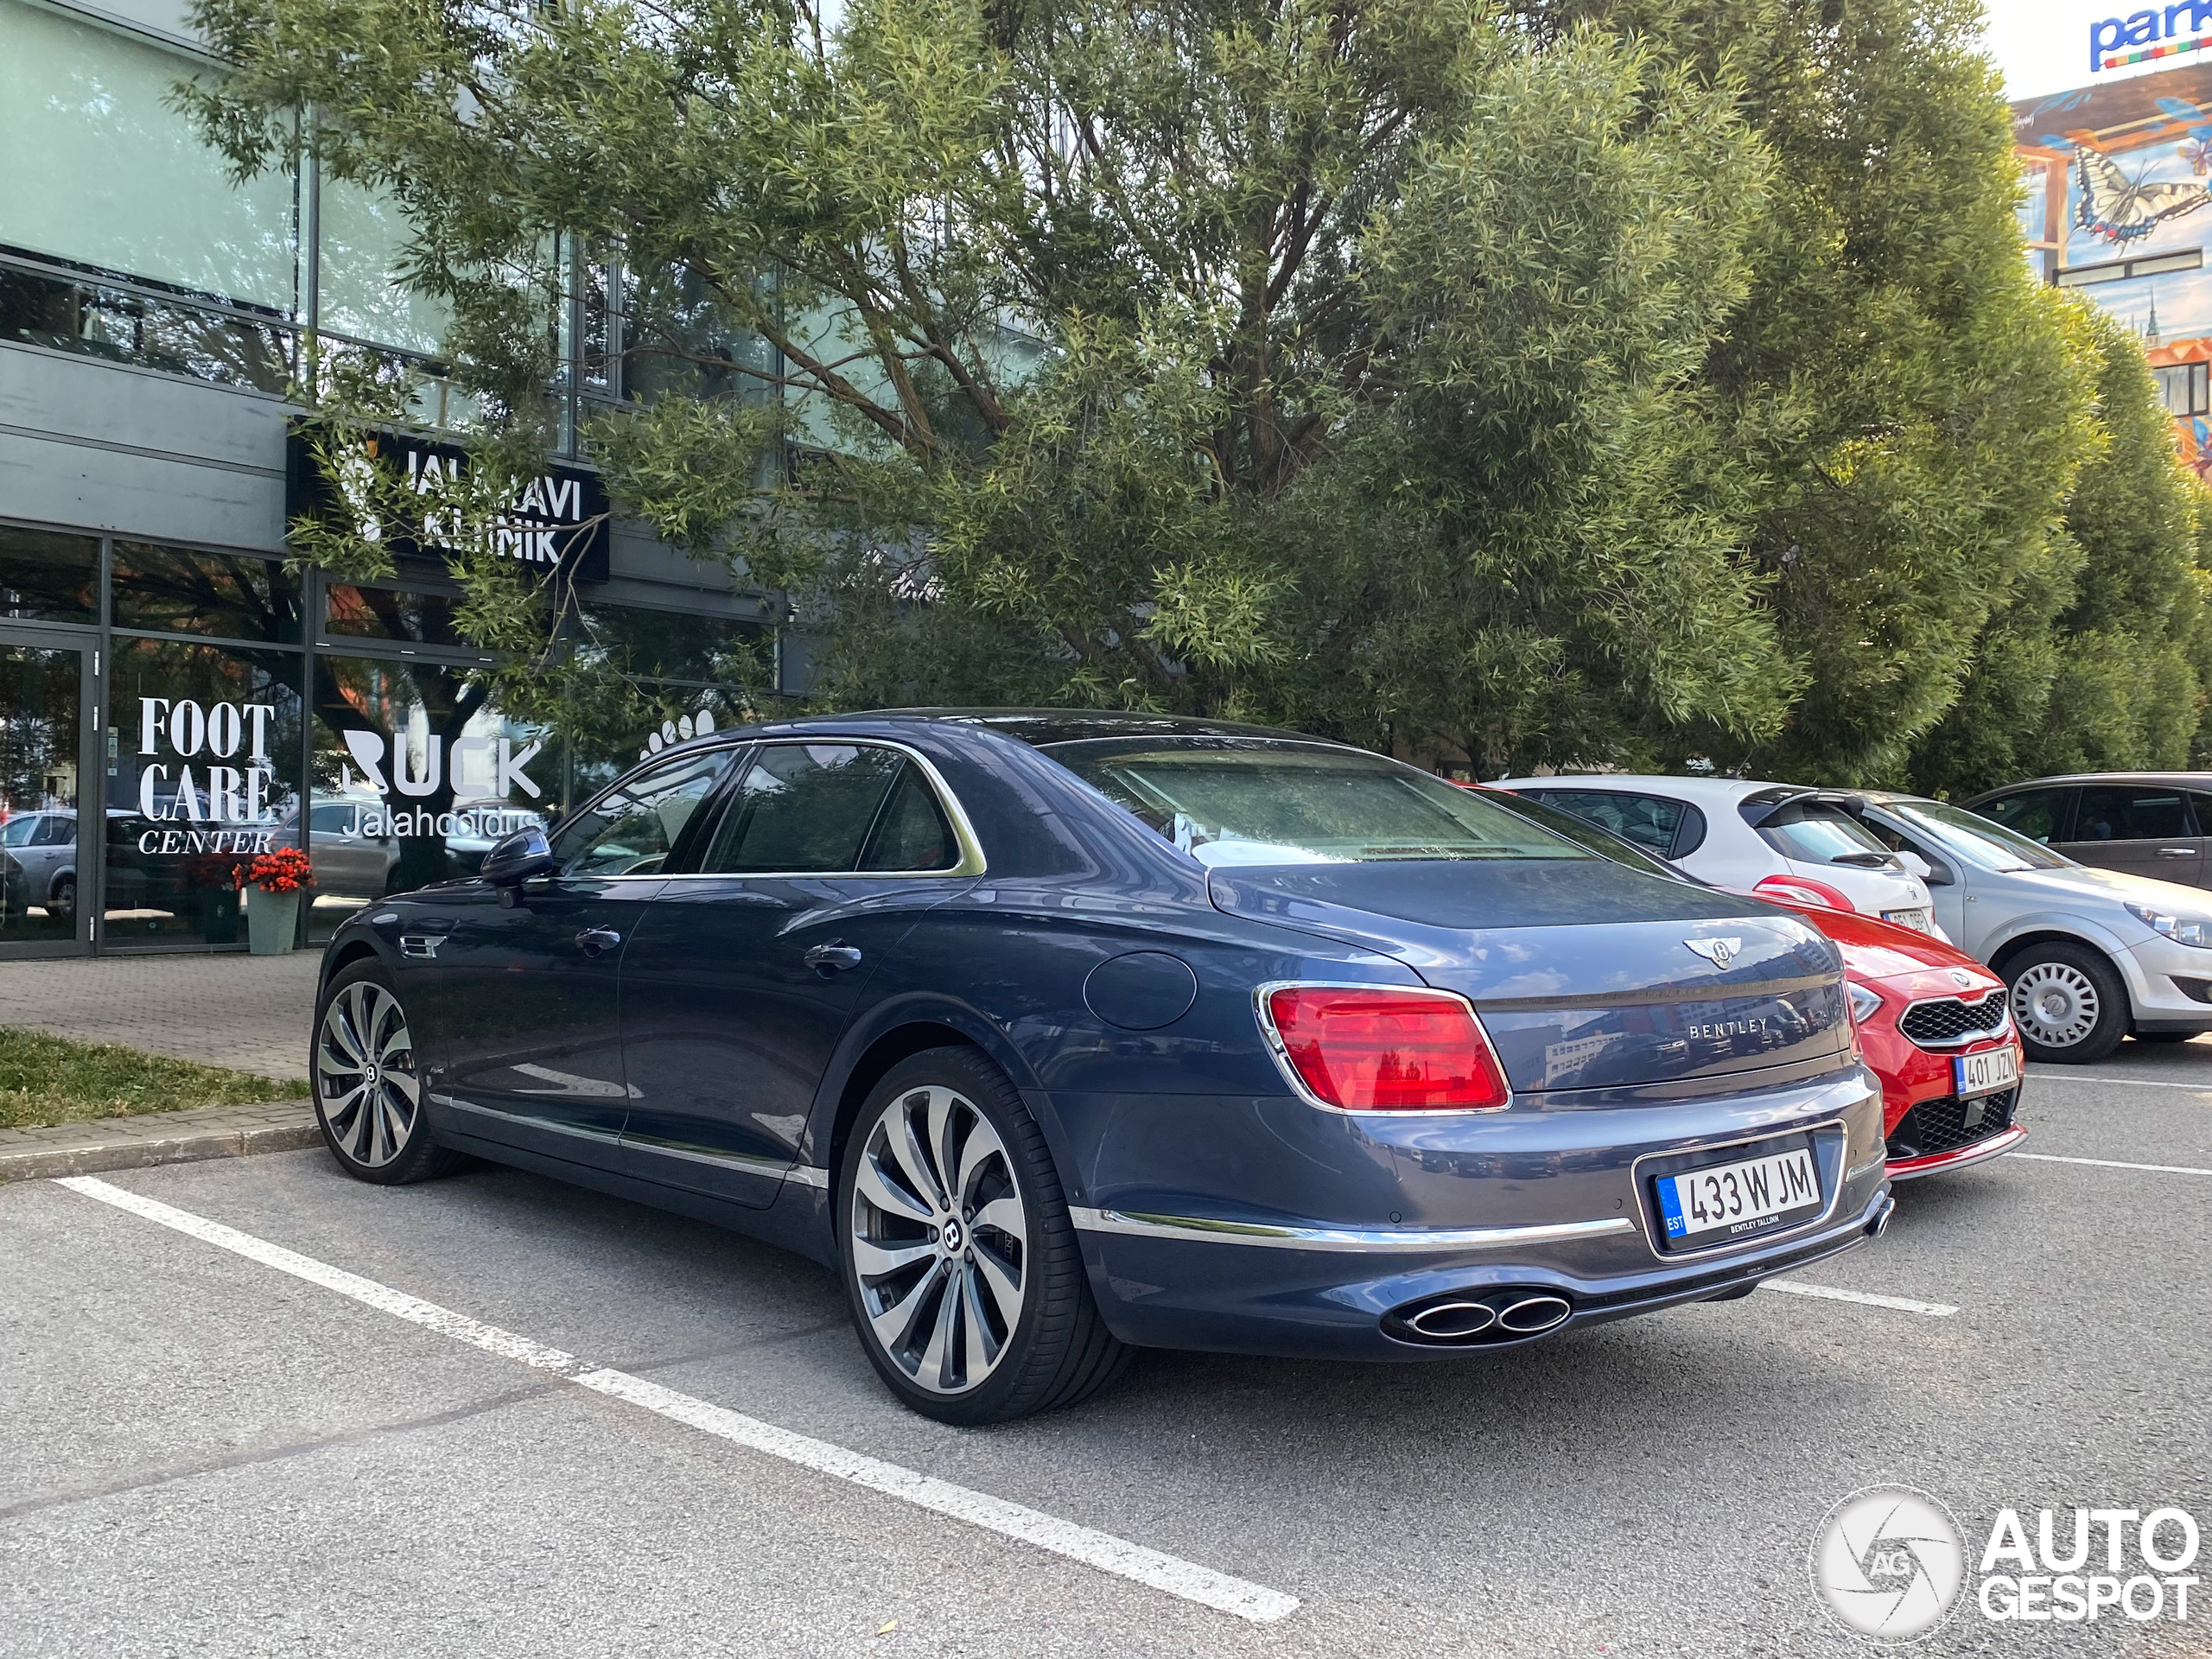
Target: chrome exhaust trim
1479,1316
1453,1321
1532,1314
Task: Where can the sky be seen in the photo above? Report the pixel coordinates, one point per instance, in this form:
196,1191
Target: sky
2043,46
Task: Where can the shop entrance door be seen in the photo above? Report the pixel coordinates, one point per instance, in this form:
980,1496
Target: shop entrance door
48,861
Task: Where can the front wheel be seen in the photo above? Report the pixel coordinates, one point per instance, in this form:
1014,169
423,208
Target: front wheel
368,1085
2069,1003
962,1268
61,905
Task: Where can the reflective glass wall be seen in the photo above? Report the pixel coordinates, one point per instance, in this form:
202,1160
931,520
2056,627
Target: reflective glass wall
248,708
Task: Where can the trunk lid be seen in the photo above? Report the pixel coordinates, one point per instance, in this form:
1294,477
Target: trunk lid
1586,973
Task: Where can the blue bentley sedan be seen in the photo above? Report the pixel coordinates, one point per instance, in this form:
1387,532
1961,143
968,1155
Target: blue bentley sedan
1060,1034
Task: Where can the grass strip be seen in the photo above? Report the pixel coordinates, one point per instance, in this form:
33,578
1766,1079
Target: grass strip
45,1079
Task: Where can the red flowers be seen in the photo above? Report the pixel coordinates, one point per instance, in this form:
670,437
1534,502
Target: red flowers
285,870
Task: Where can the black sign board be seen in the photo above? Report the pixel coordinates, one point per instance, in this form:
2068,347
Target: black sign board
559,521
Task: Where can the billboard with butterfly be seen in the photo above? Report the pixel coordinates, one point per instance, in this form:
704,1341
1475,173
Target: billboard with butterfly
2119,205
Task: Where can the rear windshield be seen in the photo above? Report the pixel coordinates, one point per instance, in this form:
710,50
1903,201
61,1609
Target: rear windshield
1244,803
1819,833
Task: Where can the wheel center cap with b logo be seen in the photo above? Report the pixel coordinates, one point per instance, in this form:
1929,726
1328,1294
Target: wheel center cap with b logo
952,1238
369,1073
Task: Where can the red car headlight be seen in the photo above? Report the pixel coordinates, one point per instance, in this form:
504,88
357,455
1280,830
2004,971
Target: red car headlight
1865,1004
1384,1050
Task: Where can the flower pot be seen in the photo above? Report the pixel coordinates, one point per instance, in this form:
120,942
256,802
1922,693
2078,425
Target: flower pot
272,921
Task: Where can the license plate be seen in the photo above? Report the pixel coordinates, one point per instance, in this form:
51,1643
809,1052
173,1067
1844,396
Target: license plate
1985,1073
1924,920
1734,1200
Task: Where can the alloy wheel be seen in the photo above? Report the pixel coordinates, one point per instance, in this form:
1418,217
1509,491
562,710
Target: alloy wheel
2056,1004
366,1086
939,1239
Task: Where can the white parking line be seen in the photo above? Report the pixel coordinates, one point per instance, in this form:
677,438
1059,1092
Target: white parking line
1185,1580
2070,1075
1829,1293
2107,1163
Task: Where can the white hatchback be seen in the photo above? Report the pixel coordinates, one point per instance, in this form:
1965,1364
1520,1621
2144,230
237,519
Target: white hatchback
1780,841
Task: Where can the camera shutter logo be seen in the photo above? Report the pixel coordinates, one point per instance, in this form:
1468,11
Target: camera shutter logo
1888,1562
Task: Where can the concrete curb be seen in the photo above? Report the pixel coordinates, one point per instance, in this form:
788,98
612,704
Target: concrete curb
156,1138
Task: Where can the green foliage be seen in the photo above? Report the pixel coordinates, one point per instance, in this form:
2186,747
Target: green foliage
2115,654
1600,379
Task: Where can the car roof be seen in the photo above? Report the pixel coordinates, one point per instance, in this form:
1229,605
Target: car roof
2191,780
1039,727
1711,792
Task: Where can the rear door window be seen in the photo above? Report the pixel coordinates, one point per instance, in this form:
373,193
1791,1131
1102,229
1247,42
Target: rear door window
806,809
2038,814
1651,822
2130,812
910,833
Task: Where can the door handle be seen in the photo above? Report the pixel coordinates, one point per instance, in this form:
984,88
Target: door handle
833,957
2176,852
592,940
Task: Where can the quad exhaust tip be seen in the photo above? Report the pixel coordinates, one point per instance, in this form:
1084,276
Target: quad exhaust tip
1477,1318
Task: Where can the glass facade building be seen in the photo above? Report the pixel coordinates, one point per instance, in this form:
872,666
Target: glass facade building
172,699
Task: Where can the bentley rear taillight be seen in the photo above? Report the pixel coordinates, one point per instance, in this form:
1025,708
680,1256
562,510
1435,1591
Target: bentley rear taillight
1385,1050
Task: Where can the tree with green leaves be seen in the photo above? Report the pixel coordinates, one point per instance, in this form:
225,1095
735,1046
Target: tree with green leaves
1319,361
2102,659
1606,380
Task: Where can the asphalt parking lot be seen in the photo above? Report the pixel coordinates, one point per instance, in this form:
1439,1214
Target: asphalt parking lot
202,1453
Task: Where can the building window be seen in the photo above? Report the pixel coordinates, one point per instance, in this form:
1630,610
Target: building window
180,590
121,182
2183,388
203,747
48,577
416,775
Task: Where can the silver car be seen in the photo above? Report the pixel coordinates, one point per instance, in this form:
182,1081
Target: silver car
2092,955
42,851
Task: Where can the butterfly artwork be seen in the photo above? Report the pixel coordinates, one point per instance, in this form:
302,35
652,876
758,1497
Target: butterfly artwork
2120,209
2196,150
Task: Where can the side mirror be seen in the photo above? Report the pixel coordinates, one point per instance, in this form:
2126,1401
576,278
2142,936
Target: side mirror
518,858
1935,875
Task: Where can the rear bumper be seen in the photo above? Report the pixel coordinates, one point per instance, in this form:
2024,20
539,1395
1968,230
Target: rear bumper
1537,1202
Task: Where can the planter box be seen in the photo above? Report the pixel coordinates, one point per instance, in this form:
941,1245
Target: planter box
272,921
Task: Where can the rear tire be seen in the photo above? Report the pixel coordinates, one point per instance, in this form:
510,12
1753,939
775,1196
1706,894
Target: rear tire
2068,1001
62,904
962,1268
368,1085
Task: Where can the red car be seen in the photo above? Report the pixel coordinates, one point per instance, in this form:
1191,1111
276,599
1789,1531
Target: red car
1932,1022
